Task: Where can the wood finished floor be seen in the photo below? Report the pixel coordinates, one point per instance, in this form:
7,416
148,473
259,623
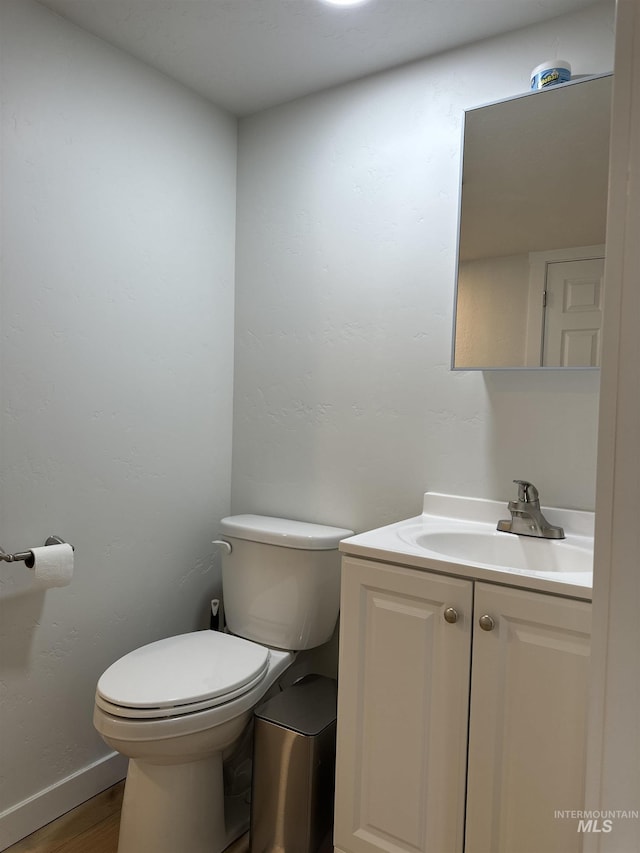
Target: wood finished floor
90,828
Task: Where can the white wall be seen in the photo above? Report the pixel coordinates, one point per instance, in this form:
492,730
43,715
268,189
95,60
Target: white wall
118,205
345,409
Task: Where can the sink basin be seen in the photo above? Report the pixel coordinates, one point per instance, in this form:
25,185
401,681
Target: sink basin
502,550
457,535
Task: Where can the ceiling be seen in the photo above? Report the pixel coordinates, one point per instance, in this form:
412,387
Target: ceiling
247,55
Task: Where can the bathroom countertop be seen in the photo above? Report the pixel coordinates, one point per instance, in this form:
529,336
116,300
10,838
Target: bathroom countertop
393,544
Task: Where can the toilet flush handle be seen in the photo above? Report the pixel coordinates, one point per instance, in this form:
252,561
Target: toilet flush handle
225,545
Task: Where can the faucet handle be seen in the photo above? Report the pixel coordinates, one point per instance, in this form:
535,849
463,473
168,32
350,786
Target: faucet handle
527,492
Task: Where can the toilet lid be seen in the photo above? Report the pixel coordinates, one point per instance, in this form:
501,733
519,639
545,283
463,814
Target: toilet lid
201,668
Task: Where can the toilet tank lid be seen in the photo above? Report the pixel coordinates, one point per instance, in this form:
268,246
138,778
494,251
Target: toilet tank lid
283,532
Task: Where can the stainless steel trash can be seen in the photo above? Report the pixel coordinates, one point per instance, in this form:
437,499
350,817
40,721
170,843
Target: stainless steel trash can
294,752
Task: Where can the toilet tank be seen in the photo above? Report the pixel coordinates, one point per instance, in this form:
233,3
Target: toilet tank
281,581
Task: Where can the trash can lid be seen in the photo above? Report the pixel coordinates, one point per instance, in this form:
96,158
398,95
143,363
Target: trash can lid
307,707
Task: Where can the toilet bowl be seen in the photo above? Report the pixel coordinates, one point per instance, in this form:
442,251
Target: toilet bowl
176,707
175,739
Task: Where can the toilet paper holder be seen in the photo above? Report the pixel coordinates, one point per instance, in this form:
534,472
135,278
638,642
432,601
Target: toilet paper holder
27,555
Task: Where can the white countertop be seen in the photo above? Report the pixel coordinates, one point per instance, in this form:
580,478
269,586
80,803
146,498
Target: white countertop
450,514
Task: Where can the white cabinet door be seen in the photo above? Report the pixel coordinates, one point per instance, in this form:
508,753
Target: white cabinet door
528,722
403,700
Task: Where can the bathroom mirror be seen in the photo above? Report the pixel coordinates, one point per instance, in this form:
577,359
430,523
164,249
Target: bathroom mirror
532,229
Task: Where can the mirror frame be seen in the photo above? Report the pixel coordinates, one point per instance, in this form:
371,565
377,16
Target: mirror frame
575,81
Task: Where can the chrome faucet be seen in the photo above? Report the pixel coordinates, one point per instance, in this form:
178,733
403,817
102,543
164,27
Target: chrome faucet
526,517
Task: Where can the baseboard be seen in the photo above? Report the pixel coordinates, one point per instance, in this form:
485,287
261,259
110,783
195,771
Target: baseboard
36,811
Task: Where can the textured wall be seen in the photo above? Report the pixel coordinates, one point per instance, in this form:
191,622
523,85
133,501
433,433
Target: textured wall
118,204
345,408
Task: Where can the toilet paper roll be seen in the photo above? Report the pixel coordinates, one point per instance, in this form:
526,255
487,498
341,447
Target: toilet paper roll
52,565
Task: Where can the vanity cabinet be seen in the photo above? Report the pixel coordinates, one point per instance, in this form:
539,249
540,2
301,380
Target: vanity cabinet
527,727
403,700
459,702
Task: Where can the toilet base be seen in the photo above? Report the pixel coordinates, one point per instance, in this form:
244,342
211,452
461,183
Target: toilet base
174,794
176,807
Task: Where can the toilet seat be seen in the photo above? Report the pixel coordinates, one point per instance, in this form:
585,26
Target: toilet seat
181,675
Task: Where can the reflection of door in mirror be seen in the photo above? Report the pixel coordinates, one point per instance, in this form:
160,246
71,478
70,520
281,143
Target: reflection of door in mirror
534,184
573,313
564,308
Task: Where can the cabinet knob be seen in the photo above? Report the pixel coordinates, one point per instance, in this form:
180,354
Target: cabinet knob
486,622
451,615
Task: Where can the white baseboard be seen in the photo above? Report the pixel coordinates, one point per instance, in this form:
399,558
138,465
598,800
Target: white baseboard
36,811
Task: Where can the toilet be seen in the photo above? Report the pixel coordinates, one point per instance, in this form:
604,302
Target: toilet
177,707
